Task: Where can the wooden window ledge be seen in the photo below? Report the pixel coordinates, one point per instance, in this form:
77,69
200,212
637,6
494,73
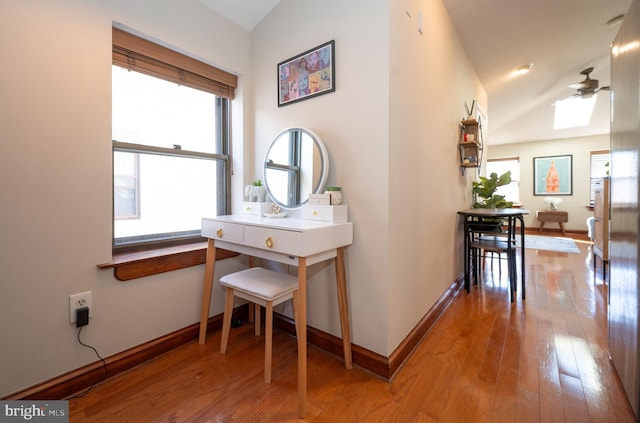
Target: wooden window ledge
128,266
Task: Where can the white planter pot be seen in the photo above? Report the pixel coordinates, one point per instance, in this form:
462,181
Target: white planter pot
336,197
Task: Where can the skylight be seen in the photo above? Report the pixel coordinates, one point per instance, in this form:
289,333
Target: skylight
574,112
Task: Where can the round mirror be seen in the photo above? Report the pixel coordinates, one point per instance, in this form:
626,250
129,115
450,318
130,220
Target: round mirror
296,165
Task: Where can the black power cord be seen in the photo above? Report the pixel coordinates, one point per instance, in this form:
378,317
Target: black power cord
104,366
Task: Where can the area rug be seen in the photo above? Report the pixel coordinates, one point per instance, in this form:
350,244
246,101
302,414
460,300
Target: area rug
550,243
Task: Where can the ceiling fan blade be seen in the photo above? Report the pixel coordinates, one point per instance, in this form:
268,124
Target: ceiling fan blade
587,87
578,85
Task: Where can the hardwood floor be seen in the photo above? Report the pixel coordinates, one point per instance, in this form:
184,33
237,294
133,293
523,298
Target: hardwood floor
543,359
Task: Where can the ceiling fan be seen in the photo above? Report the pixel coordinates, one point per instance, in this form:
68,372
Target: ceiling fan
588,86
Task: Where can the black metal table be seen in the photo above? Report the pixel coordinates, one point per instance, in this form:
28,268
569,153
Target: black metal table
474,218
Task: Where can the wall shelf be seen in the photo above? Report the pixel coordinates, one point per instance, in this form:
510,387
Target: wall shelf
470,144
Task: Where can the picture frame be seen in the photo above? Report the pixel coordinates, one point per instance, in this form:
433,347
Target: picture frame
307,74
553,175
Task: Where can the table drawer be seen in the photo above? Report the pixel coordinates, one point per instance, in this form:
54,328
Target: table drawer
223,230
282,241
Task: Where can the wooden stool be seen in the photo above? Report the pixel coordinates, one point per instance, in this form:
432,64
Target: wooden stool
264,288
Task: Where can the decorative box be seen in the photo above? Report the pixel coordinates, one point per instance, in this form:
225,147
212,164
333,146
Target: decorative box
336,214
319,199
255,208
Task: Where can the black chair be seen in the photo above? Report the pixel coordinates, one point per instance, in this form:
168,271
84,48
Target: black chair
487,237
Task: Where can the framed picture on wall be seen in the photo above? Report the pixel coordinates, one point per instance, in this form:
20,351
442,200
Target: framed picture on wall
307,75
552,175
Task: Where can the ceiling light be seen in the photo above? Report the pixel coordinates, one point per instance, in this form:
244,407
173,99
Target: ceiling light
615,21
522,70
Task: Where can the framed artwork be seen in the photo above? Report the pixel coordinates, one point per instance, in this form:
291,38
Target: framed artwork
307,75
552,175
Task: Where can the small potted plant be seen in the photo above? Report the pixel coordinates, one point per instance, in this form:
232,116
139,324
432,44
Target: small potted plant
256,191
485,189
552,204
335,193
260,191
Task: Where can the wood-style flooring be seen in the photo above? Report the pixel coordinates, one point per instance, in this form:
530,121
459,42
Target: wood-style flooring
543,359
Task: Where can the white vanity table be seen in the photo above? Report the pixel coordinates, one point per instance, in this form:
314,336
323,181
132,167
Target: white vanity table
292,241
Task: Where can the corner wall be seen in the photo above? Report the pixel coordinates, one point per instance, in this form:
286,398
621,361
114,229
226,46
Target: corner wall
353,123
391,128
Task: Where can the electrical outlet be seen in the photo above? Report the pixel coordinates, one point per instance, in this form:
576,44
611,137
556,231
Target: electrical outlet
80,300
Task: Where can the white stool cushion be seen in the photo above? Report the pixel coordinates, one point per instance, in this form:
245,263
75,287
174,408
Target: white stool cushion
264,284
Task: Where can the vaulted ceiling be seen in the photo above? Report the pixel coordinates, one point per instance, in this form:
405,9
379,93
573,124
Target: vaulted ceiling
559,37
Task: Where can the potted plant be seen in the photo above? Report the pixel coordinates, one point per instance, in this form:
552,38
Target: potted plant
256,191
260,191
336,194
485,189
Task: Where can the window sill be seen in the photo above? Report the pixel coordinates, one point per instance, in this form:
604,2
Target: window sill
136,265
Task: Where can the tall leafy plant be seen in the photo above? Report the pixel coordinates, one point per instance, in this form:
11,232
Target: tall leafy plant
486,188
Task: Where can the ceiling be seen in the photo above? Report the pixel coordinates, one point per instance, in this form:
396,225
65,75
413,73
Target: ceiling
559,37
245,13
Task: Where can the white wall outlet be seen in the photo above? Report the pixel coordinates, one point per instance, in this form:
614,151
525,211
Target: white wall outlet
77,301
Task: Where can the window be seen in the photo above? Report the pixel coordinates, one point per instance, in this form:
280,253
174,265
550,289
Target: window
170,131
126,191
574,112
502,165
599,169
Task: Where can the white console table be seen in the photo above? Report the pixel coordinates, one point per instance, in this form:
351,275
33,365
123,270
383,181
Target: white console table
291,241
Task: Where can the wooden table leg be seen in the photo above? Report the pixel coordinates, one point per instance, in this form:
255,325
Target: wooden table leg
206,289
343,305
541,227
301,324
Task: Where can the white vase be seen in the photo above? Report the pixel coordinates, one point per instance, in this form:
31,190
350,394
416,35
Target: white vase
260,192
248,193
336,197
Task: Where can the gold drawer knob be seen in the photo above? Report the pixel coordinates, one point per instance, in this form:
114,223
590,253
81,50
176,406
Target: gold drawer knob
315,213
269,242
219,233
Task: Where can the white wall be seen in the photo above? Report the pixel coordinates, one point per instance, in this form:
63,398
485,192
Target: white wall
431,79
577,204
55,181
391,128
353,123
